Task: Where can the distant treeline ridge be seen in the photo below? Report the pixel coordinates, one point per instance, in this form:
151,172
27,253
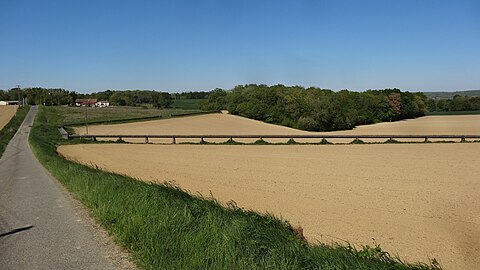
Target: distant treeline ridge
457,103
295,106
316,109
58,96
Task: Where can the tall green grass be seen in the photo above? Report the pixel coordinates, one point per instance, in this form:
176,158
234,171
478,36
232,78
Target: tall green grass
9,130
166,228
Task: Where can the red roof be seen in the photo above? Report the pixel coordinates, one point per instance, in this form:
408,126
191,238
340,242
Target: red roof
86,101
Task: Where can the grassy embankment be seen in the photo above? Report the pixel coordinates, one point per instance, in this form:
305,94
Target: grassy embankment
9,130
166,228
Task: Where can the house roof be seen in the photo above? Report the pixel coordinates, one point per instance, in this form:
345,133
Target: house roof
86,101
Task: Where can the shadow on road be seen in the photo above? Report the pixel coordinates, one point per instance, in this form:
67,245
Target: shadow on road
16,230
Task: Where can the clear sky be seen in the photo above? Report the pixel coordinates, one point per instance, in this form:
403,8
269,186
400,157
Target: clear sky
177,45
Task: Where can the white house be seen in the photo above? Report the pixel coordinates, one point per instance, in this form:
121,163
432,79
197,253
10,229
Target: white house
102,104
12,102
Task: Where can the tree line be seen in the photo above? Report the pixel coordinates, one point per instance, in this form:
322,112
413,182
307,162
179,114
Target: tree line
316,109
191,95
458,103
39,95
312,109
59,96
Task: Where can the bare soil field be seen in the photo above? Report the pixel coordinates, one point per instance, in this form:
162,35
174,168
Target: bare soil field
215,124
6,113
419,201
225,124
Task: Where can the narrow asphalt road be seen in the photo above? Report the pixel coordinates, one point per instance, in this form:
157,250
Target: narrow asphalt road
40,225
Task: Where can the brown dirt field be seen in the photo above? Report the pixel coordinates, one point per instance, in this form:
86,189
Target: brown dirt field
200,124
418,200
6,113
225,124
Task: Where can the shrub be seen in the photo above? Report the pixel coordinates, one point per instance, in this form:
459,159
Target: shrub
307,123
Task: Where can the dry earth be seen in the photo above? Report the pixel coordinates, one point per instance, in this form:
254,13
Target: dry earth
6,113
416,200
226,124
419,201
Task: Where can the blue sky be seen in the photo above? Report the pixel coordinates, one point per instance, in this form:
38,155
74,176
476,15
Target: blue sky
85,46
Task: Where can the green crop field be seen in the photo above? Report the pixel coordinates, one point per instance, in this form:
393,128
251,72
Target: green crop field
77,115
187,104
453,113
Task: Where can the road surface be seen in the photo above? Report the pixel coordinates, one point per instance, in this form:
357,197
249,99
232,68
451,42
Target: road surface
41,226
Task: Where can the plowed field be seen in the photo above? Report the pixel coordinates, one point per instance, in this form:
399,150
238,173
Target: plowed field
415,200
419,201
226,124
6,113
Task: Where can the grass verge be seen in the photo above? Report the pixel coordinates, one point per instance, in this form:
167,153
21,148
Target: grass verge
9,130
166,228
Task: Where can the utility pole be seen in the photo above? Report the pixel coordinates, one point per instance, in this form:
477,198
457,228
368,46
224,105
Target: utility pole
18,92
86,118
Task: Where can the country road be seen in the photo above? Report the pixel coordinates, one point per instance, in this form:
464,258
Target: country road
41,226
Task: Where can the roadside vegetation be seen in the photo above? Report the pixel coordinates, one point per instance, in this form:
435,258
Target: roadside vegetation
9,130
164,227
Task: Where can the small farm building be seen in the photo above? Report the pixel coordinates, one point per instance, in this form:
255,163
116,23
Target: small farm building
11,102
85,102
102,104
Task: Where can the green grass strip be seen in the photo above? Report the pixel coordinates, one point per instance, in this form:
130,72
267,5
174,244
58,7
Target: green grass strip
166,228
137,119
188,104
9,130
454,113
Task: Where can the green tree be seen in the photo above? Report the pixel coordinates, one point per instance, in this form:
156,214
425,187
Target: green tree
216,100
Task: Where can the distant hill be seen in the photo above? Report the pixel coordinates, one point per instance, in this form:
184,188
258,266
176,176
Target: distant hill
450,95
